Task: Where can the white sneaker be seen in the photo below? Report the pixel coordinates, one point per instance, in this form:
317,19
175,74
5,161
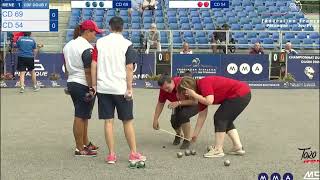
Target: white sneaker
22,89
213,153
147,51
36,88
237,152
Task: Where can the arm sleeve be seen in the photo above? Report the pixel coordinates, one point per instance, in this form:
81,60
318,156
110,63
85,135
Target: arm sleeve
87,58
131,55
34,44
201,107
162,98
95,54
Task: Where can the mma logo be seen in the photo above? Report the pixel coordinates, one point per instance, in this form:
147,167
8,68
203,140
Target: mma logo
244,68
232,68
275,176
257,68
263,176
312,175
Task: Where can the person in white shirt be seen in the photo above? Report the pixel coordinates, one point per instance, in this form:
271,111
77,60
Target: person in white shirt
77,56
153,39
288,49
112,75
186,49
149,4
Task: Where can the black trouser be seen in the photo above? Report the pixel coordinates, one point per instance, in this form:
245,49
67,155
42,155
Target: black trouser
182,115
228,111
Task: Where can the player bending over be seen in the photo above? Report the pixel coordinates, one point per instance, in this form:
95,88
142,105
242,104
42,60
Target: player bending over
233,97
183,109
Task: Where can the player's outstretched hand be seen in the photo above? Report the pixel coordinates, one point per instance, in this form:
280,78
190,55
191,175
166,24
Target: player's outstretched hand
194,138
156,125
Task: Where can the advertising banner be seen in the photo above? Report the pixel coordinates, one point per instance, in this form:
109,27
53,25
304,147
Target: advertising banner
245,67
304,67
200,65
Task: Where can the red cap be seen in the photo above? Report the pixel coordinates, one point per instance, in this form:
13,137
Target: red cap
90,25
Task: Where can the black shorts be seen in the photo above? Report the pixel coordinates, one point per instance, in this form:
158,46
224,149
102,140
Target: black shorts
182,115
228,111
83,108
108,102
25,64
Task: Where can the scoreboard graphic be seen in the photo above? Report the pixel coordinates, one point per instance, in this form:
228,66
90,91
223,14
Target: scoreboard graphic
199,4
28,15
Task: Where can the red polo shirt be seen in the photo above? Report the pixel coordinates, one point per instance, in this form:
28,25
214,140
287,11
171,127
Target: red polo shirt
221,88
172,97
17,35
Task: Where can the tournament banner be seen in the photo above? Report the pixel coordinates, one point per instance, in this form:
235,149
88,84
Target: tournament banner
200,65
304,67
45,65
245,67
153,84
48,63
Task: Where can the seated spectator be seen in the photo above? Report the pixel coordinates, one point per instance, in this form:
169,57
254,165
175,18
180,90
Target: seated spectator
149,4
218,38
186,49
136,5
256,49
288,49
153,39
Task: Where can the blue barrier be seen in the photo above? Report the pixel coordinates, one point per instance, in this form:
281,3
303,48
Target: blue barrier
154,85
47,63
250,68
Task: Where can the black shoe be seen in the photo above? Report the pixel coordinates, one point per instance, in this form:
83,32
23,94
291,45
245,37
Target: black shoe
185,144
176,140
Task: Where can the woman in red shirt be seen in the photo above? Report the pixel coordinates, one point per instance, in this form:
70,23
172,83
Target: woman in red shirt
233,95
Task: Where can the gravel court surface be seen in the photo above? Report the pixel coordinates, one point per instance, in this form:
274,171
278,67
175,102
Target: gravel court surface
37,140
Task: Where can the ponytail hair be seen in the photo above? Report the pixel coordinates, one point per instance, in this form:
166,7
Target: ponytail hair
76,32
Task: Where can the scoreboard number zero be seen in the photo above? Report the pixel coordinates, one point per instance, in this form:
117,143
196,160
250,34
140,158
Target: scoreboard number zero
163,57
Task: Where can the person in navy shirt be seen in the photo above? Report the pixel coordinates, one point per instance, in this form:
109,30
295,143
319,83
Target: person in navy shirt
26,49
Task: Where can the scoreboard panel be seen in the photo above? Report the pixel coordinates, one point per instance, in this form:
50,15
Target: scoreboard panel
28,15
199,4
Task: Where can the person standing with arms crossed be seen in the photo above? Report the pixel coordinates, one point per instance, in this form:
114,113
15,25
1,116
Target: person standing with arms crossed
27,50
112,75
78,57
